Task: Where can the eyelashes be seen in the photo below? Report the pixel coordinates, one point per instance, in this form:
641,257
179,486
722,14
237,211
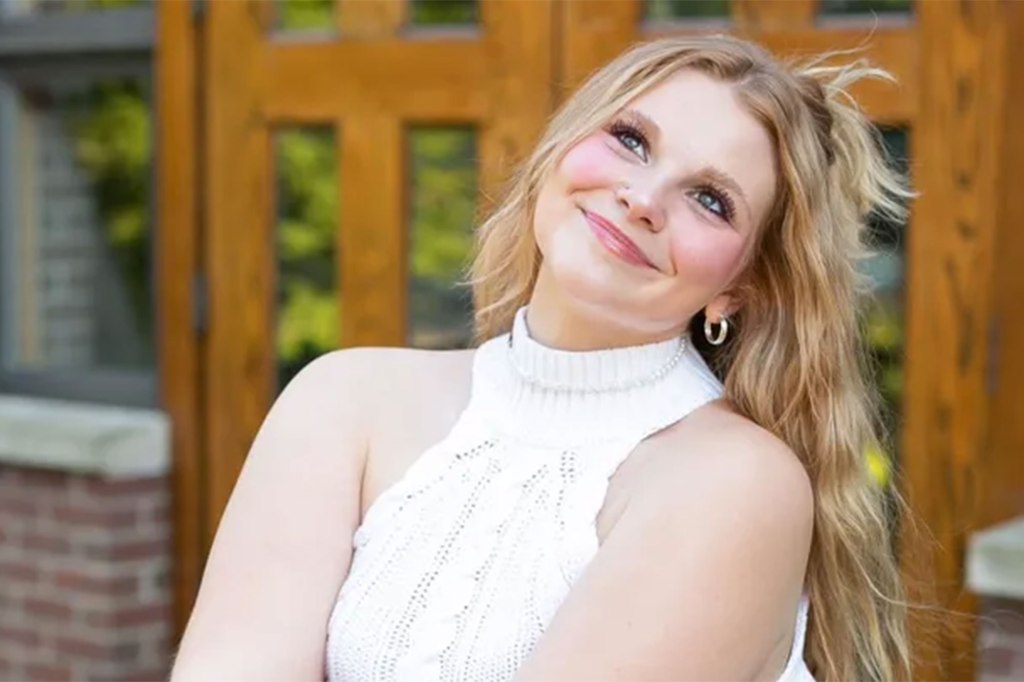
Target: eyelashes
630,134
722,197
623,129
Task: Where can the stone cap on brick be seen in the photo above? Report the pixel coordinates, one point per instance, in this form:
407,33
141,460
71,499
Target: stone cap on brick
83,437
995,560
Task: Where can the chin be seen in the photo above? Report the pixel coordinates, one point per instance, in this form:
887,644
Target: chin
590,285
584,274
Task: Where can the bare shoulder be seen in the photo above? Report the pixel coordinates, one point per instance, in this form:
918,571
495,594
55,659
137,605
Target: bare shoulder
750,484
377,382
410,367
292,512
423,391
716,443
378,368
395,381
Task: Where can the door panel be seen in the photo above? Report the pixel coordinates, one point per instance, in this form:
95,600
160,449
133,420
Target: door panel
367,83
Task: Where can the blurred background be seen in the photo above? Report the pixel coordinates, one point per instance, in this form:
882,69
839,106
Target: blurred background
198,197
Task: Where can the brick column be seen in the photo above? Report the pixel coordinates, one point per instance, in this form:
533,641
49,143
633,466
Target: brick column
84,555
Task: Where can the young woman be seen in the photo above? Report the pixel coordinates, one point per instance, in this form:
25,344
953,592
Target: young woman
651,468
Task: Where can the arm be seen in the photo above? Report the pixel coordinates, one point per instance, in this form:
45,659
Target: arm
283,545
697,578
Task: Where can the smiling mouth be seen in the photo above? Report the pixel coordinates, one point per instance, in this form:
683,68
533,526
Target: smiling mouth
616,241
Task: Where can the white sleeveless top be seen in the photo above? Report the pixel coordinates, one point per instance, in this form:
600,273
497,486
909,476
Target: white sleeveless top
459,567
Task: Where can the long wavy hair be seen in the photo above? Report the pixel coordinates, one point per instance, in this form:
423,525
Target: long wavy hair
795,363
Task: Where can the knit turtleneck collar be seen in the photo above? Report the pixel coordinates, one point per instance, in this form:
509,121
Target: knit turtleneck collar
545,395
597,371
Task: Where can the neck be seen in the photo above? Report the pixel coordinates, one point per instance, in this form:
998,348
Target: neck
545,394
556,323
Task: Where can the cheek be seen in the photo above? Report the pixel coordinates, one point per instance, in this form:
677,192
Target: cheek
589,164
706,254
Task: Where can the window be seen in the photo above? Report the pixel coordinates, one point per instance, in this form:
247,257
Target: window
442,179
308,310
76,219
886,269
686,10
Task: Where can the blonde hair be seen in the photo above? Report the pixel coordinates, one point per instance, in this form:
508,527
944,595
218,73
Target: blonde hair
795,363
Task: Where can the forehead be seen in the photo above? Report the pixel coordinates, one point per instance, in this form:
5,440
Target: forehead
702,121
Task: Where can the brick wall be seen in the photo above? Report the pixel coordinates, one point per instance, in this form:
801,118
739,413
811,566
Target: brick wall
84,587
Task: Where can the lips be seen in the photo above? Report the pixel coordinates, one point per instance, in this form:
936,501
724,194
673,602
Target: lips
616,241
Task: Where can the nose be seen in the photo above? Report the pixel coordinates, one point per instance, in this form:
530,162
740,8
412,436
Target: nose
642,206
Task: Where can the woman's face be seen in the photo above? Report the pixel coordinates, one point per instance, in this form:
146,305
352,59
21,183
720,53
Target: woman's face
651,218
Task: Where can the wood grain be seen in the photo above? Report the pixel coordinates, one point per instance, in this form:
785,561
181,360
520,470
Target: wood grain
519,47
359,19
240,356
414,80
956,154
1004,470
179,347
373,240
593,32
765,17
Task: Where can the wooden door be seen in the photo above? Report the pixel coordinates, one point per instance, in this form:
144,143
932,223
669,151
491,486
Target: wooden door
365,82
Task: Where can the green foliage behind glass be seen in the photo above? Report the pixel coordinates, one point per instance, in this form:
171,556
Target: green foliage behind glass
299,15
865,6
884,319
443,185
686,9
307,210
444,12
110,123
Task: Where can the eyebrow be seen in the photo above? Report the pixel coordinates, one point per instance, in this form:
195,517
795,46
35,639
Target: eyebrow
713,173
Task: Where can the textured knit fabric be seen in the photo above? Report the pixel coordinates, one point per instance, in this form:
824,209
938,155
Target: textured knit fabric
459,567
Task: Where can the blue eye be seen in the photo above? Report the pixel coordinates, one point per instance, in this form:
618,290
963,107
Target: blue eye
631,142
717,202
710,202
630,137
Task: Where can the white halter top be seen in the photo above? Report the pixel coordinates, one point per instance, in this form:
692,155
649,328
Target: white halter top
459,567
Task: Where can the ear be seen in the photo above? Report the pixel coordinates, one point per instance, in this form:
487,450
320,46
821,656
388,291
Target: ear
722,305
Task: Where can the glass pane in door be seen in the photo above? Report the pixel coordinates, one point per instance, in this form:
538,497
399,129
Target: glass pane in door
443,177
885,320
308,316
